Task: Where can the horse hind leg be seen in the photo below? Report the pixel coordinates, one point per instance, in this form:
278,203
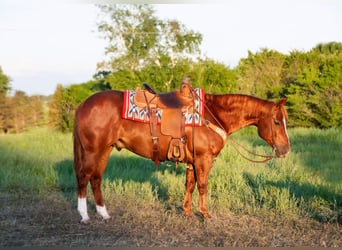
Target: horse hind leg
82,183
82,176
95,181
87,170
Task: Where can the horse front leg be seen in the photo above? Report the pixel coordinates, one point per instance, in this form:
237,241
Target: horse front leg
202,169
189,189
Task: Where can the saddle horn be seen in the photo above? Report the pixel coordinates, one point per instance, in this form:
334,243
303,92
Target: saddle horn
149,88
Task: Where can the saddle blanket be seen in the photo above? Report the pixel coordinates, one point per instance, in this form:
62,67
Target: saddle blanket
130,111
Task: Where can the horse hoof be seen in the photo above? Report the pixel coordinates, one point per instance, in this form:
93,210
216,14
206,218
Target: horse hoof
206,216
189,216
107,219
85,221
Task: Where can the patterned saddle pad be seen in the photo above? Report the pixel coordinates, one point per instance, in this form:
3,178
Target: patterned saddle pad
131,111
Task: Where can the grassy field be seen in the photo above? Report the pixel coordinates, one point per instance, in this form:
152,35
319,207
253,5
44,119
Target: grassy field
294,201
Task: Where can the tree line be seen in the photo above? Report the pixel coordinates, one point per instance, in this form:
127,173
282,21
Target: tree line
20,111
312,82
143,48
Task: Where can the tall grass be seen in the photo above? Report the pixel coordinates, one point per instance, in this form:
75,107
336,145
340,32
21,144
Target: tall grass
306,183
28,160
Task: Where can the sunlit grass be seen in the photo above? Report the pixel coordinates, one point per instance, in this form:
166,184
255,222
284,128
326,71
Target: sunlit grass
306,183
28,160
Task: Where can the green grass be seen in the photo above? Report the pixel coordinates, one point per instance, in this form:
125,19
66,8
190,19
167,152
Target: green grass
29,160
306,183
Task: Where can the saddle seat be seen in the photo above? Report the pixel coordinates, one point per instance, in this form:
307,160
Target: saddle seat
173,105
178,99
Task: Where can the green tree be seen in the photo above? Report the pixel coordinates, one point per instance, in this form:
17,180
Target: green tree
214,77
165,78
138,39
36,115
63,104
314,86
6,115
65,100
56,108
4,88
19,111
260,74
330,49
4,83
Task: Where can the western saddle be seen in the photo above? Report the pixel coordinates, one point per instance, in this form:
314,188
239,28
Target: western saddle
173,105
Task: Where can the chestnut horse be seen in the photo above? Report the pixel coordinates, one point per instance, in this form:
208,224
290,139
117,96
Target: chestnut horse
99,127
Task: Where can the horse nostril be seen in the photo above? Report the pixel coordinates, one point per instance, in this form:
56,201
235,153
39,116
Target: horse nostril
281,152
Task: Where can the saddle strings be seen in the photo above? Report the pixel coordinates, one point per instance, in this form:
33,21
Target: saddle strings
232,142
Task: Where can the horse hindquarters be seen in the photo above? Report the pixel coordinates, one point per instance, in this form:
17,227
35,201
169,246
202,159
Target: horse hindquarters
89,166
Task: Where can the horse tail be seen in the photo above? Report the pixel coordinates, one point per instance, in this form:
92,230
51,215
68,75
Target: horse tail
78,147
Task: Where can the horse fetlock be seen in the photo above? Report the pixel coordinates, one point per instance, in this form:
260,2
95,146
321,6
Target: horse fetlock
206,215
85,221
188,214
204,211
187,210
102,211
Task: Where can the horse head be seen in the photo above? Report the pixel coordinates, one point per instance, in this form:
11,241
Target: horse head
272,128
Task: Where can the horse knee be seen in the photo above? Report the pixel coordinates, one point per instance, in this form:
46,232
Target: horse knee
202,188
190,185
190,181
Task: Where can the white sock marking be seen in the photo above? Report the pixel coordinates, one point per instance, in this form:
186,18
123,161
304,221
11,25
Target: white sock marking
103,212
82,209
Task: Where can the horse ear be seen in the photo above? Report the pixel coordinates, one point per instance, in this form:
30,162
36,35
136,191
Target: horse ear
282,101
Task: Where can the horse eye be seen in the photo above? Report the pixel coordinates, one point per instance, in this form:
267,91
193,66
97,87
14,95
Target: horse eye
277,123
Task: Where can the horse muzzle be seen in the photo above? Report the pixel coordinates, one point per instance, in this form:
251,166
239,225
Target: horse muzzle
281,152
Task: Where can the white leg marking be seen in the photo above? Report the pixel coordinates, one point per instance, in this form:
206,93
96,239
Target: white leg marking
103,212
82,209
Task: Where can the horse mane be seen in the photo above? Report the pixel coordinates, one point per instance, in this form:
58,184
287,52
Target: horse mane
235,111
233,101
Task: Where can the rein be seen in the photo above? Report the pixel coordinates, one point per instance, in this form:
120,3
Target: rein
235,144
232,142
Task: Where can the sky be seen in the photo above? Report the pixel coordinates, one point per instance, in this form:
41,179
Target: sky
44,43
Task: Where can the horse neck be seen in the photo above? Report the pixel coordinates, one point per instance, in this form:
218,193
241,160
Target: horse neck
235,112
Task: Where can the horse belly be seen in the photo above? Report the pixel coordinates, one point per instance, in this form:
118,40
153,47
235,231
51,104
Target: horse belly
136,137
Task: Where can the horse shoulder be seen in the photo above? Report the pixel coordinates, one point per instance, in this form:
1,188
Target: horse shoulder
208,142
